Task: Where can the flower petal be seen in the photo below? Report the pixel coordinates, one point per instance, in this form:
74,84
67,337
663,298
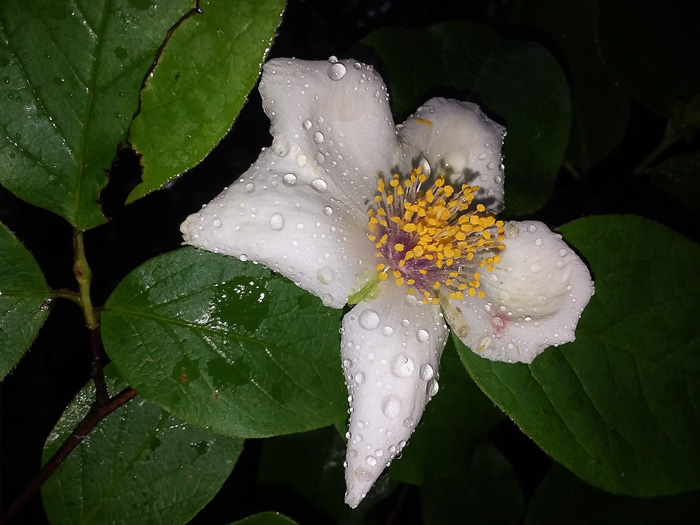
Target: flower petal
534,297
391,346
293,221
337,114
457,139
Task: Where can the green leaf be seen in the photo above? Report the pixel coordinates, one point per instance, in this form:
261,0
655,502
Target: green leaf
199,85
319,455
651,49
266,518
679,178
456,420
518,83
226,345
601,108
69,88
487,491
618,406
23,300
561,498
138,465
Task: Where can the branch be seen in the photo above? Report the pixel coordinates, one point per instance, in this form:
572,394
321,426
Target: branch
96,414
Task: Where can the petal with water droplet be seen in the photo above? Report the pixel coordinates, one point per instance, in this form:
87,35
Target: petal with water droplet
533,298
457,138
285,228
389,402
335,118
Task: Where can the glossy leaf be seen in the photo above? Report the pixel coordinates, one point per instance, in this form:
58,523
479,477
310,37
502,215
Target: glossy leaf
23,300
287,461
651,49
561,498
266,518
199,85
455,421
487,491
600,108
71,71
517,83
138,465
618,406
226,345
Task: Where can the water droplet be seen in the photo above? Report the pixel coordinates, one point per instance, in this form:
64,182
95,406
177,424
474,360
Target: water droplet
423,336
306,124
535,267
243,257
405,323
360,378
301,160
402,366
490,166
319,185
217,223
277,222
538,242
327,299
328,211
289,179
426,372
391,406
560,264
280,147
532,228
433,388
369,319
362,474
347,363
387,331
250,187
318,137
371,460
336,71
325,275
563,252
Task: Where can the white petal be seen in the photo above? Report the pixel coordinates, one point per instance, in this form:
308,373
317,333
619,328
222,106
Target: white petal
292,221
391,348
457,139
534,297
337,114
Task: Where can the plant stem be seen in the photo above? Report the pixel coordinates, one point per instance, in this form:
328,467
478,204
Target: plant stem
83,274
91,419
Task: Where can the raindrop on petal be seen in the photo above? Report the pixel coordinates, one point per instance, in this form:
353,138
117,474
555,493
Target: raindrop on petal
328,211
423,336
289,179
369,319
402,366
318,137
433,387
391,406
426,372
250,187
336,71
319,185
325,275
277,222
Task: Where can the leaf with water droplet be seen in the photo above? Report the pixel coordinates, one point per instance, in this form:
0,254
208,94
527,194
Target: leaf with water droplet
617,405
226,345
160,470
24,299
59,138
199,85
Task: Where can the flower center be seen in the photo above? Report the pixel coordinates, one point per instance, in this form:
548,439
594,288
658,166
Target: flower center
430,239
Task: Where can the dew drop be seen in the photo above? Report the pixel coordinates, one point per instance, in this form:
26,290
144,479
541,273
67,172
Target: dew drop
405,323
347,363
387,331
217,223
327,299
336,71
277,222
560,264
289,179
318,137
535,267
319,185
360,378
490,166
243,257
426,372
402,366
250,187
328,211
371,460
423,336
281,147
532,228
538,241
563,252
369,319
362,474
391,406
325,275
306,124
433,388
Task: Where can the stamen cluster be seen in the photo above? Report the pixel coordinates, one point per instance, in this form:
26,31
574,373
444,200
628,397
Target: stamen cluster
430,238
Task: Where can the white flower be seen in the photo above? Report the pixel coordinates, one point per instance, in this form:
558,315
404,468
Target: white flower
398,221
